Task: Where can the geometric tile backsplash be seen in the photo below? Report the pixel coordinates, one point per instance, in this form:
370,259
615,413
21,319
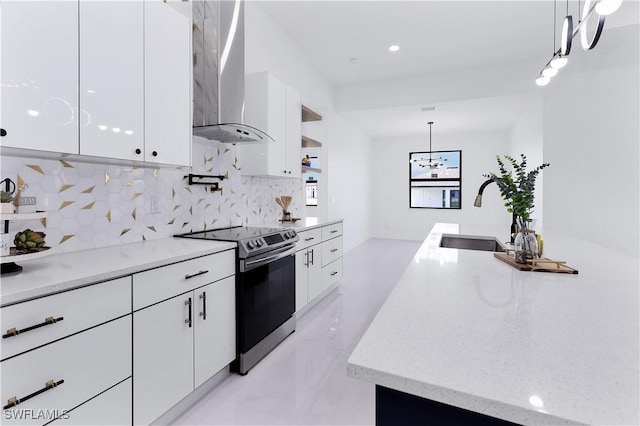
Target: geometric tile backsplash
96,204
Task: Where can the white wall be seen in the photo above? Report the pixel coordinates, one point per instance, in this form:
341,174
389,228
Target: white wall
390,173
525,137
349,180
268,48
591,139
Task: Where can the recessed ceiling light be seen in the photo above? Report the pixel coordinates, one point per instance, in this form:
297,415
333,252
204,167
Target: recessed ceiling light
394,48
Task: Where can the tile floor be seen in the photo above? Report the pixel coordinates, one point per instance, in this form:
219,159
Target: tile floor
303,381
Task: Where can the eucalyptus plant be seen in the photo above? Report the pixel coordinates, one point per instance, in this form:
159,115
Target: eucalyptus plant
517,186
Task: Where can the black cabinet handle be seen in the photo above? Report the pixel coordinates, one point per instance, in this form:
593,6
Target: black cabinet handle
334,250
309,239
312,256
138,151
154,153
186,277
189,320
47,321
306,256
333,273
3,132
203,297
333,231
12,402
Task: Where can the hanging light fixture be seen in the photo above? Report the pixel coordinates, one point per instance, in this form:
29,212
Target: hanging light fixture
567,33
558,61
560,58
549,70
430,123
591,8
607,7
542,80
432,163
586,15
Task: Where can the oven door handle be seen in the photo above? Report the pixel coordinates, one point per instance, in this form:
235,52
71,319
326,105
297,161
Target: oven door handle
260,261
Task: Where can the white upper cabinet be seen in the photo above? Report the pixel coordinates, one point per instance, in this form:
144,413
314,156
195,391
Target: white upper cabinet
294,124
100,78
112,79
167,82
274,108
39,75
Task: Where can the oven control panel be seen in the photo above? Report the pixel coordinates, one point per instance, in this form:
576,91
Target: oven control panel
269,242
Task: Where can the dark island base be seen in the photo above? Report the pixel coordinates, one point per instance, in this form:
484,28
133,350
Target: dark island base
395,408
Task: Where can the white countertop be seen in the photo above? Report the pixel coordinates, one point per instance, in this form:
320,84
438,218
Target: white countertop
303,224
60,272
464,328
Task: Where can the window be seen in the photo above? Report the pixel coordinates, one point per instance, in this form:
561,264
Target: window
435,180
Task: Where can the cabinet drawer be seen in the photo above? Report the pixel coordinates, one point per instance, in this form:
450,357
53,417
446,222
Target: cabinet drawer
331,231
331,250
112,407
162,283
88,363
332,273
79,310
309,238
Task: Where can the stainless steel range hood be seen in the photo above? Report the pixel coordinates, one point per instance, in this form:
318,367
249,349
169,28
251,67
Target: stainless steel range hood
218,73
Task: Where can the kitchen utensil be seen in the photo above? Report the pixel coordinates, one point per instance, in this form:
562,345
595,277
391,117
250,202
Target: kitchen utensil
286,201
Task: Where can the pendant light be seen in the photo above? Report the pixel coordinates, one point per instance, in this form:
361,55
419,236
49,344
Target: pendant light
560,59
430,123
607,7
593,10
586,15
549,70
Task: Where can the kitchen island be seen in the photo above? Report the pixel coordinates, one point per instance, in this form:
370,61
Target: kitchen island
465,331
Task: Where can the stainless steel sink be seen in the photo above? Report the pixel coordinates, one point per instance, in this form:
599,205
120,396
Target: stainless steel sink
471,242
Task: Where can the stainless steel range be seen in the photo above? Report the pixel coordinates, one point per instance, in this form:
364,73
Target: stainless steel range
265,288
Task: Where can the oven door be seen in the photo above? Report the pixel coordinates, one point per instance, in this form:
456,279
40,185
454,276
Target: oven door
266,296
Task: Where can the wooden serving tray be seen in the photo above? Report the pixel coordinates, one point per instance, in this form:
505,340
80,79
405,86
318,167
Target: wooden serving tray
541,265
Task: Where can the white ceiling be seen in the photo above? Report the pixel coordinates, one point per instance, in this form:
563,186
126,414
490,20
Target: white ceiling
436,39
473,115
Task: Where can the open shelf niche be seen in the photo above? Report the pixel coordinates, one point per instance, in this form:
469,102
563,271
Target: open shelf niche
309,115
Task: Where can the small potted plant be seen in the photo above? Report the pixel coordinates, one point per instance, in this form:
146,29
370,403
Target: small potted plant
517,189
6,202
6,196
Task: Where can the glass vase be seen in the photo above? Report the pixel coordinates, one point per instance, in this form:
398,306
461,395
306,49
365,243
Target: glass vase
525,246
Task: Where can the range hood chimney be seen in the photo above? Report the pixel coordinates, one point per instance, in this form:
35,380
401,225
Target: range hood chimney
218,73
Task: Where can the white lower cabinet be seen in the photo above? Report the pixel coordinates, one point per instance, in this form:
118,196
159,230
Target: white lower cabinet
307,275
120,351
318,262
331,251
183,341
162,357
112,407
40,321
331,273
68,372
215,328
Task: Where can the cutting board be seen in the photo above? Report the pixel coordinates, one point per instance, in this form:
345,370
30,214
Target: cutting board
541,267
